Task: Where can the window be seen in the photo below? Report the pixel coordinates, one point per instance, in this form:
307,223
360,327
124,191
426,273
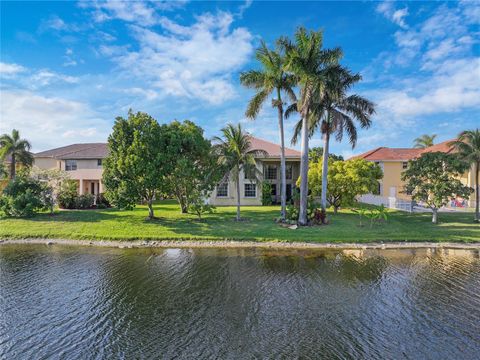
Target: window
404,165
273,190
70,165
222,189
249,172
250,190
271,172
289,172
99,162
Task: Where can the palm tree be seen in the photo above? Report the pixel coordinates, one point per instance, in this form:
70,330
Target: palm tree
271,80
235,153
468,148
334,113
18,150
306,60
424,141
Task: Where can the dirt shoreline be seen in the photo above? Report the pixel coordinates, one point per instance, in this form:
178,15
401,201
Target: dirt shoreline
242,244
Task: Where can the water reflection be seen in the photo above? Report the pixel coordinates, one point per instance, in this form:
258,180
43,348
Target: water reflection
70,302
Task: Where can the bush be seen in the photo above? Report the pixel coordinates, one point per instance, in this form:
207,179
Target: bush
67,195
84,201
266,194
102,202
23,196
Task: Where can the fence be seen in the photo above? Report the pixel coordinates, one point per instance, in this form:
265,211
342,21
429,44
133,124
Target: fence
390,202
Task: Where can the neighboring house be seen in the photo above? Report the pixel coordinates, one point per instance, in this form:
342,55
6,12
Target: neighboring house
394,161
250,191
83,162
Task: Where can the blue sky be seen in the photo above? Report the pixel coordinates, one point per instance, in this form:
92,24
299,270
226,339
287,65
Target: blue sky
67,69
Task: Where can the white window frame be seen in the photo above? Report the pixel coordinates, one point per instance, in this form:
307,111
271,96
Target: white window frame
245,190
221,184
71,165
267,174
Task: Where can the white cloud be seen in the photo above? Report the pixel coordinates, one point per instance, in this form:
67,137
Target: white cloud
194,61
47,77
397,16
10,69
49,121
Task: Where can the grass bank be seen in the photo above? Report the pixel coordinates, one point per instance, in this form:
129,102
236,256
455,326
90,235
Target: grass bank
112,224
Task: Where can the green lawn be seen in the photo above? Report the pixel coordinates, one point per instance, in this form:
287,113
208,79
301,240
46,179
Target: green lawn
171,224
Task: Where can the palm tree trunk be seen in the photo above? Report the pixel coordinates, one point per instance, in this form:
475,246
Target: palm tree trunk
302,215
238,194
283,177
477,194
326,143
12,167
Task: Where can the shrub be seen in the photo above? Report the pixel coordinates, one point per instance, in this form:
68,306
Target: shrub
84,201
266,194
23,196
102,202
67,195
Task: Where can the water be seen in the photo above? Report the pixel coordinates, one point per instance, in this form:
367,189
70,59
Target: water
87,303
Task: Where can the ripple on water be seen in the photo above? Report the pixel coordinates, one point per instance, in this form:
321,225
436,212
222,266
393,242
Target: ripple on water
77,303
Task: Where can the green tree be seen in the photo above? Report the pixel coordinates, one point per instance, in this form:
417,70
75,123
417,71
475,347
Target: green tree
346,180
433,180
308,62
141,156
271,79
424,141
316,153
335,113
24,196
467,146
196,170
236,155
18,149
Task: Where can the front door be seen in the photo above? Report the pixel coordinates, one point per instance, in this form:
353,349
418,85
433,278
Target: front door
289,192
393,191
92,188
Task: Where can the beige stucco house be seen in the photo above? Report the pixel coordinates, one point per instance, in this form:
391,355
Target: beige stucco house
394,161
83,162
251,191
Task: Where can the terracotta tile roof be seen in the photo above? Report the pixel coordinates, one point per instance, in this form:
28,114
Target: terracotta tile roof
272,149
76,151
442,147
389,154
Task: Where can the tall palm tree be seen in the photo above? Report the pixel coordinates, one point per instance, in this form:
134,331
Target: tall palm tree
235,153
334,113
306,60
271,79
468,147
424,141
18,150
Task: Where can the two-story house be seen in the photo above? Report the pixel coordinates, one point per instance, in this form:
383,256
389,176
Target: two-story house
251,191
83,162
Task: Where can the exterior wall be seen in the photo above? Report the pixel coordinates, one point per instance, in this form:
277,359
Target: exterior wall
391,184
231,199
88,171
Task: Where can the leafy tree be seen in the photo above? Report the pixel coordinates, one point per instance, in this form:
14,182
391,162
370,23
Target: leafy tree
67,194
424,141
235,154
316,153
53,177
198,206
334,112
267,195
142,155
24,196
271,79
196,169
18,150
468,150
308,62
433,180
346,180
3,170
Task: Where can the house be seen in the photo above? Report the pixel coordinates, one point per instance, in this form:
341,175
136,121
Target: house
394,161
250,191
83,162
